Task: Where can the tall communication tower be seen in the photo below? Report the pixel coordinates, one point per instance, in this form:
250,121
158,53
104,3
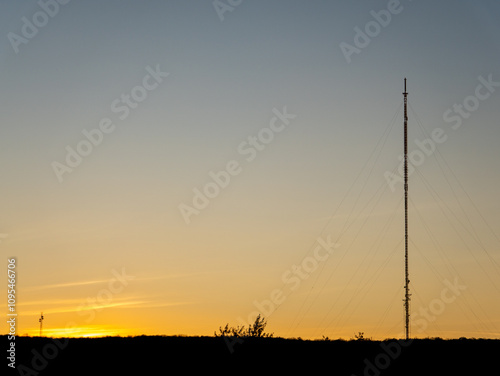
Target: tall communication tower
407,280
40,320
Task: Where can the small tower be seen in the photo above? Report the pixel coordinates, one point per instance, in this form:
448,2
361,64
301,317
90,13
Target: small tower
40,320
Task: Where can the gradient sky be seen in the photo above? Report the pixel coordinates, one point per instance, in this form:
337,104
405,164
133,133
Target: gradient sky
322,176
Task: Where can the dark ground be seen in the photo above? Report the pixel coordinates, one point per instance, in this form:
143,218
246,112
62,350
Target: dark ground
158,355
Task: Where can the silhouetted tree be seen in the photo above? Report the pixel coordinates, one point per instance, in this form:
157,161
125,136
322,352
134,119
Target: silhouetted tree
257,329
254,330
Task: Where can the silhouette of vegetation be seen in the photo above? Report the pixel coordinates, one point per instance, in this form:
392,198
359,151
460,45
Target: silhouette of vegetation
233,331
254,330
152,355
360,336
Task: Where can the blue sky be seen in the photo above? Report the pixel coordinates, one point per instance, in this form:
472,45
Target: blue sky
120,206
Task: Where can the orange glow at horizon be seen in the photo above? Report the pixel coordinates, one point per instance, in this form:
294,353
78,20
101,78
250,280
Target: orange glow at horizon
77,332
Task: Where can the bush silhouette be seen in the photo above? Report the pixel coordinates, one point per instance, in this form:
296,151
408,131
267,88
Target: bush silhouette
227,331
361,337
254,330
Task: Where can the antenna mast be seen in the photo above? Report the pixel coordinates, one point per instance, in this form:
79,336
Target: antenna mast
40,320
407,280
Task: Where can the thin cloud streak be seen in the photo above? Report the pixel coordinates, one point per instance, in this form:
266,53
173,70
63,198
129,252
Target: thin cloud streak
67,284
98,281
81,306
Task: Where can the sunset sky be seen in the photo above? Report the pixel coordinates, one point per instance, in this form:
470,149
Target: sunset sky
168,167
